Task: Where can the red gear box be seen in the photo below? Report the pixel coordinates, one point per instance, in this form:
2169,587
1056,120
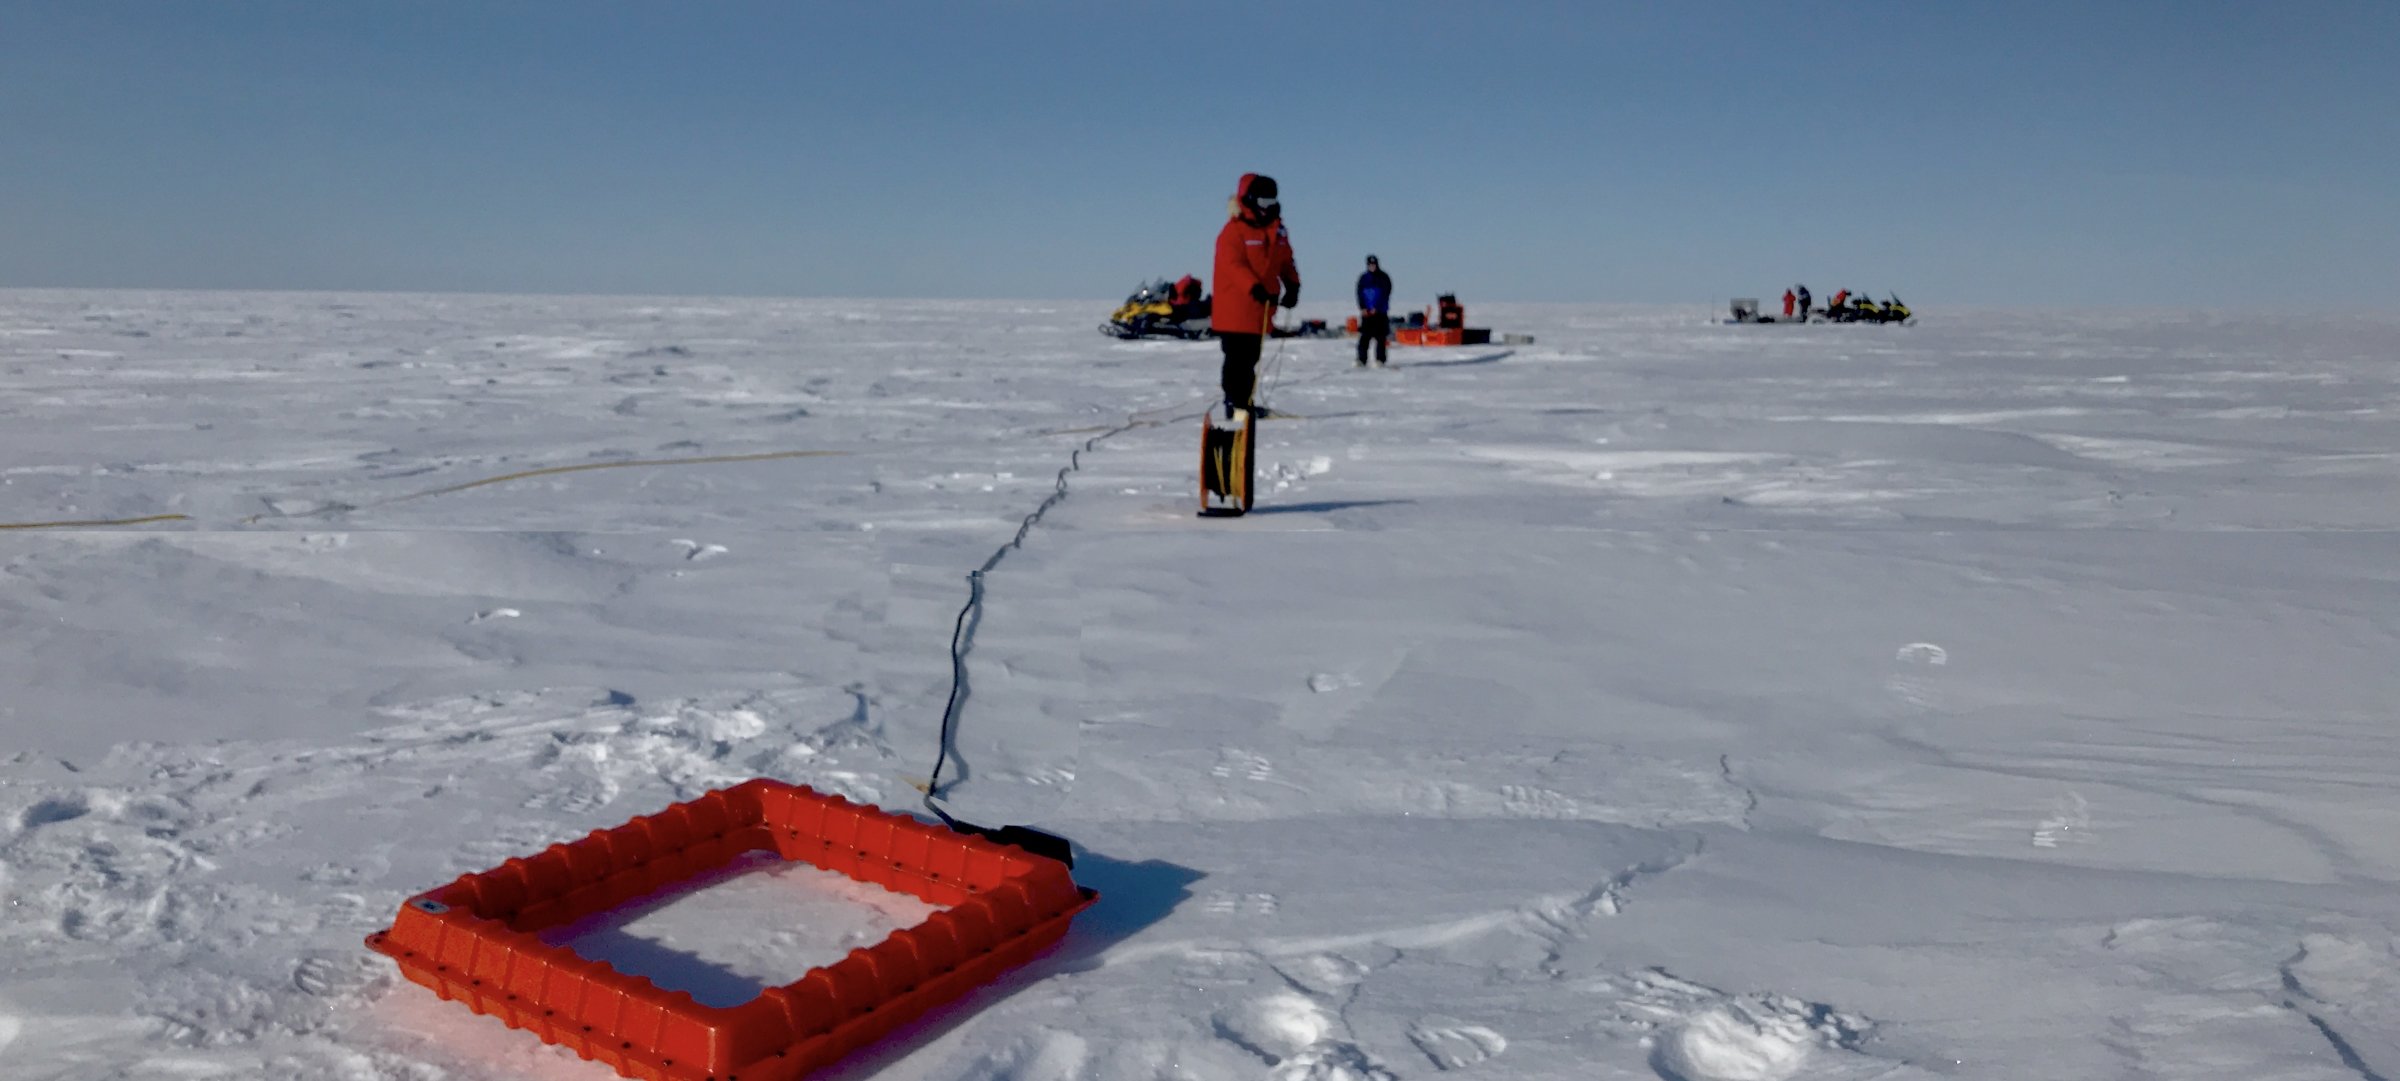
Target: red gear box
475,940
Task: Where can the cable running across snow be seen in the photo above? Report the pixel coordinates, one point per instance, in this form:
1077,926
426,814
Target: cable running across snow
962,632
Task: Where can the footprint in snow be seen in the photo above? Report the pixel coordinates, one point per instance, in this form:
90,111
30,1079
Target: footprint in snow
1924,653
1329,682
1915,683
331,976
1299,1039
2070,822
1525,801
1229,903
1452,1043
1322,973
1276,1027
1698,1033
1232,762
1047,777
1732,1042
695,551
1048,1055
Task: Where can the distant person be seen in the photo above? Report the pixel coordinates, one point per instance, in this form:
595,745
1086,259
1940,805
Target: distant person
1254,260
1833,308
1374,313
1802,290
1787,305
1186,300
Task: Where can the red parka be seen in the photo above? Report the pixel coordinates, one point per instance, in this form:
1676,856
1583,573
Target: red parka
1249,252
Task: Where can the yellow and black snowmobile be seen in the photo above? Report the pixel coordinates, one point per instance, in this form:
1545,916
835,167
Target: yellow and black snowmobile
1153,312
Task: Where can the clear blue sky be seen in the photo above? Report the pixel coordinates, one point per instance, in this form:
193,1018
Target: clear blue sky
2103,152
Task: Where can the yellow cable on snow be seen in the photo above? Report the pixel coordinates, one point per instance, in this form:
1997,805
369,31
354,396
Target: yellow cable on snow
554,470
547,471
1138,419
582,467
98,523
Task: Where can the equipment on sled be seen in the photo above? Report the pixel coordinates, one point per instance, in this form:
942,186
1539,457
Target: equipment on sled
1443,324
1846,307
1160,309
1863,309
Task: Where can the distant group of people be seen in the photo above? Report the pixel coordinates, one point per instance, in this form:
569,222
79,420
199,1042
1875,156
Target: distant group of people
1845,307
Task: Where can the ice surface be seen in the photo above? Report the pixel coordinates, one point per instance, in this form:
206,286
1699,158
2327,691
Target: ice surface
2003,696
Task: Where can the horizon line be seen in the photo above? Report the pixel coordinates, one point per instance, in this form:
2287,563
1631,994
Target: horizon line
1713,305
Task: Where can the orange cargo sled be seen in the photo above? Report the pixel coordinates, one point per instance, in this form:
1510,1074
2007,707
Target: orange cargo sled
1443,324
475,940
1441,336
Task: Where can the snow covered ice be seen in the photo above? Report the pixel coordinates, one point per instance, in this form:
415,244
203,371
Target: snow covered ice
2005,696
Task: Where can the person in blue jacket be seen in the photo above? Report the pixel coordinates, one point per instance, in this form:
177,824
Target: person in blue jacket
1374,313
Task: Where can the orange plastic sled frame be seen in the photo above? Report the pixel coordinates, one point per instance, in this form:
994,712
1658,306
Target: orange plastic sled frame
475,940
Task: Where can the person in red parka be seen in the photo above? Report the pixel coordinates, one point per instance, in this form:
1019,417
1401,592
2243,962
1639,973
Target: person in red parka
1254,273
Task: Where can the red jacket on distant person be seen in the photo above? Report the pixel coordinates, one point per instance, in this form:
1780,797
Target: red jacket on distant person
1252,250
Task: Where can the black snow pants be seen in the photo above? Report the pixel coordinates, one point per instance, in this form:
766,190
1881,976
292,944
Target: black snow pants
1377,329
1241,366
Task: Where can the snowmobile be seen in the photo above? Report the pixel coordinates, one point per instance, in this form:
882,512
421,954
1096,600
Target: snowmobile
1151,312
1861,309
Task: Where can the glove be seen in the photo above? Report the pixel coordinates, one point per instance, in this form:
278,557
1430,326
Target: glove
1291,297
1259,293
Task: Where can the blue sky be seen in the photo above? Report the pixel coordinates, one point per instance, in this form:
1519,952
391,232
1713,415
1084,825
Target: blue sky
2102,153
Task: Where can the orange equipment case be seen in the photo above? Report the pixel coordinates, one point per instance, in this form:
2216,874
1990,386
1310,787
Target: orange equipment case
1445,324
476,939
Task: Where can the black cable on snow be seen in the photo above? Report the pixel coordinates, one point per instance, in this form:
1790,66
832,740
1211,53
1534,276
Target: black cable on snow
970,615
962,632
958,691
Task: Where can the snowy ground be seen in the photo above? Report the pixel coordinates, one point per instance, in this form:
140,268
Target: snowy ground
2006,696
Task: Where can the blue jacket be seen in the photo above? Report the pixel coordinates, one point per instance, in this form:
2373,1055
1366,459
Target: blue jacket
1375,292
